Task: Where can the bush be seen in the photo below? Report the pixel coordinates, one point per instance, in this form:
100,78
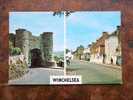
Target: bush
15,51
56,58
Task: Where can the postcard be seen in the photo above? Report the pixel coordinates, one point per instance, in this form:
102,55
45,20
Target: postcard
65,47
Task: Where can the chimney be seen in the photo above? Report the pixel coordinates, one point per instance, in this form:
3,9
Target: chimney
105,33
118,27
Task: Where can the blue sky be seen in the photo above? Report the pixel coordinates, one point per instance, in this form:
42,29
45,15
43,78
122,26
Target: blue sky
85,27
37,23
82,27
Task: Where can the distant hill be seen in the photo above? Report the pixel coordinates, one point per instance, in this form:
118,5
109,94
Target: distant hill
59,53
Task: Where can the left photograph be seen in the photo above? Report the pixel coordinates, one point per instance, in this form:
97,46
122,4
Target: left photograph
36,49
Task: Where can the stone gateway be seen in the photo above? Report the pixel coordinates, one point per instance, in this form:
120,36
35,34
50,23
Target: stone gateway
38,50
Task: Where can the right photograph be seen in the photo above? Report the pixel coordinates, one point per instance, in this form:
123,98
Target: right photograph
93,46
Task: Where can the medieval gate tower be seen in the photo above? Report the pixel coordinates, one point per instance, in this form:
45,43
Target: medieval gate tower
26,42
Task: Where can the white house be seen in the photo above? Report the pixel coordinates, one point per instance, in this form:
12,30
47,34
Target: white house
86,54
111,45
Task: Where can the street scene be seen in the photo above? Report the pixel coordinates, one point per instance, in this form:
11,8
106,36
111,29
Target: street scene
34,51
94,47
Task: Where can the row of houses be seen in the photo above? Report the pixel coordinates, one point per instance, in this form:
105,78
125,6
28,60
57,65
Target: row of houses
106,49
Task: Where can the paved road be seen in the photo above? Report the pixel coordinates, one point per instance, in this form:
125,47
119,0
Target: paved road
95,73
37,76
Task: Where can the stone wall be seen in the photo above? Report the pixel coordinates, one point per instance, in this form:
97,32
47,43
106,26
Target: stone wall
34,42
17,66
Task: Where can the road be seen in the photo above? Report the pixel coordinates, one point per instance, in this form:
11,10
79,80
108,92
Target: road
37,76
95,73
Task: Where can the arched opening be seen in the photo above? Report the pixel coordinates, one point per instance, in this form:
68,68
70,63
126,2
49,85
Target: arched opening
36,58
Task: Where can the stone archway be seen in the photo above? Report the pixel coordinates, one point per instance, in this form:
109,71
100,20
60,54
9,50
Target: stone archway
36,58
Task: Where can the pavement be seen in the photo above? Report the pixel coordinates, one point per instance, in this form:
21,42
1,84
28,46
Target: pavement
37,76
109,65
93,73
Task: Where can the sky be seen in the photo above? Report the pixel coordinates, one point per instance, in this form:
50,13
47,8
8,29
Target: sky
37,23
83,28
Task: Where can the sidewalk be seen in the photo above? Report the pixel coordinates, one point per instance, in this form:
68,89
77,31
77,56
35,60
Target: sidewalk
109,65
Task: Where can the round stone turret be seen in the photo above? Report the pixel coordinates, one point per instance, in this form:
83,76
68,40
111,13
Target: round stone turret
47,46
23,41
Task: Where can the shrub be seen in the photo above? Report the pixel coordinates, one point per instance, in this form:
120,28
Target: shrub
15,51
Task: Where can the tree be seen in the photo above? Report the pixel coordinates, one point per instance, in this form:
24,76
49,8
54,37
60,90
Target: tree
67,50
10,47
80,50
